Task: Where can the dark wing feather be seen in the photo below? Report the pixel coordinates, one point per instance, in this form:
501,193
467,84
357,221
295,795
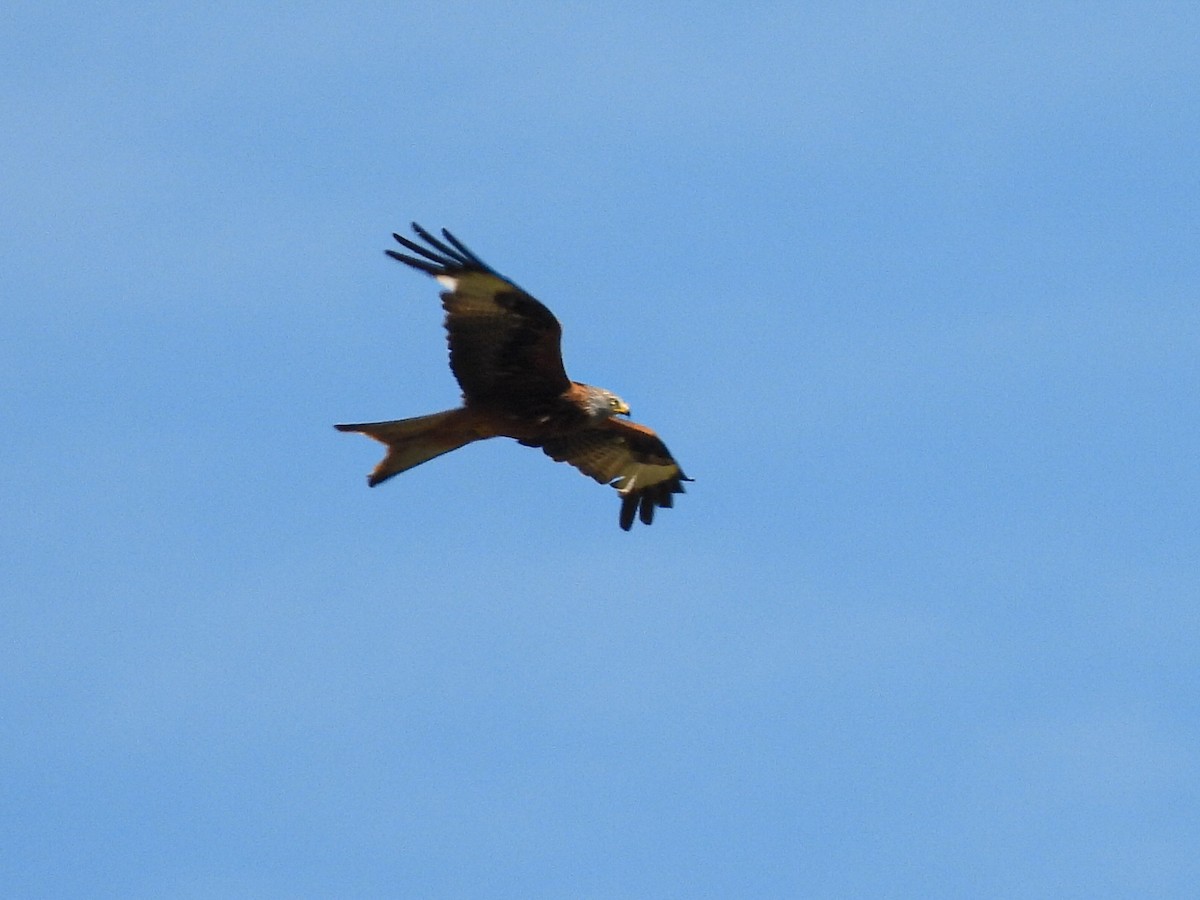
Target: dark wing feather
630,457
505,346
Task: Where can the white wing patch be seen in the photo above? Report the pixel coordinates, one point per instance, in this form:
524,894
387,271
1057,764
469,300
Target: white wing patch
447,281
640,475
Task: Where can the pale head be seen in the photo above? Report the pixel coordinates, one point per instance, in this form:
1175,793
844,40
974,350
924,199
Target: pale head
601,404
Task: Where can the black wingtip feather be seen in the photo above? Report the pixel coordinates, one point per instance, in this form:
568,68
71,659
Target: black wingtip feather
463,249
417,248
449,252
451,256
426,267
628,509
643,504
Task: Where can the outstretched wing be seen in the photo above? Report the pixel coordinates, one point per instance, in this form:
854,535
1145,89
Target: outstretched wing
630,457
505,346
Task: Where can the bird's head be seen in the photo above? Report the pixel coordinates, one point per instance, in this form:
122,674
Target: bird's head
602,404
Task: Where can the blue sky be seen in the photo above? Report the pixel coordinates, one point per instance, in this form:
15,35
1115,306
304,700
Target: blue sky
909,289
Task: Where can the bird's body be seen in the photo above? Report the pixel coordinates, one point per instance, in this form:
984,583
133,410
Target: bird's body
505,353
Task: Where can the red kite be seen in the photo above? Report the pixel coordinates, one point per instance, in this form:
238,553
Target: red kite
505,352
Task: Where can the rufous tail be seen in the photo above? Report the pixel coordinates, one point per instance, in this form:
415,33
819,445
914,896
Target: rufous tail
411,442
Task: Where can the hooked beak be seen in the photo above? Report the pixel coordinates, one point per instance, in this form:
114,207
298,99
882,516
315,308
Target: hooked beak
623,409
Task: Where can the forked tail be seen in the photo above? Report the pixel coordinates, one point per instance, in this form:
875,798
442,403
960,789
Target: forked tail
411,442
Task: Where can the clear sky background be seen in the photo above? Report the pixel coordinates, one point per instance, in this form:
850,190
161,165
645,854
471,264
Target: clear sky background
911,291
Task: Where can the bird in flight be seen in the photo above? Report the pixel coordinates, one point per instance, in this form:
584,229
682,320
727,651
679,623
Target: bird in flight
505,352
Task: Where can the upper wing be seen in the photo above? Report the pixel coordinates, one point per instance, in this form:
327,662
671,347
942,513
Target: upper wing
630,457
505,346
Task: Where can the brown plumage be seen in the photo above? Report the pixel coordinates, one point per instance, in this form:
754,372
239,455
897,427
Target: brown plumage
505,352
